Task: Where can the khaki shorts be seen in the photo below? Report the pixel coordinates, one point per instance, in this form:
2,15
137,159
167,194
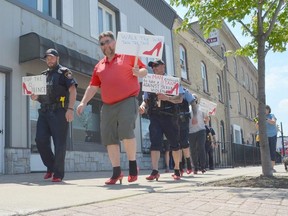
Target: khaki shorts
118,121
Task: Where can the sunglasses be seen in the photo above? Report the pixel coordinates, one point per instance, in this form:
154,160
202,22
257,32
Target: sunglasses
105,42
155,65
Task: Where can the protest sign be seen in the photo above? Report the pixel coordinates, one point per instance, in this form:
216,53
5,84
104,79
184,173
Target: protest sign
207,106
141,45
161,84
34,85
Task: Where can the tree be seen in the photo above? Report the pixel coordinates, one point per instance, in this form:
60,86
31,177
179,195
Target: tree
265,21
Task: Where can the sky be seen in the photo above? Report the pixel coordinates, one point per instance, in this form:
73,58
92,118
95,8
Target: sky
276,76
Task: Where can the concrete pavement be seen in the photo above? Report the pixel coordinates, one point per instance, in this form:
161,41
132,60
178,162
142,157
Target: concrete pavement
84,193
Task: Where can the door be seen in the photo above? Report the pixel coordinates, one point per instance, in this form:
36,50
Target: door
2,121
36,163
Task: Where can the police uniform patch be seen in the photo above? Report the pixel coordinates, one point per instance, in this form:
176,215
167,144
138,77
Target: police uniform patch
68,74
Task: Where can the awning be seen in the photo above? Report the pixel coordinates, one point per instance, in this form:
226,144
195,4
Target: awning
33,46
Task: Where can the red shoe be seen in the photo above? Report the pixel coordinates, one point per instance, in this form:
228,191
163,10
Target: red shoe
55,179
133,178
188,171
152,177
113,181
48,175
175,177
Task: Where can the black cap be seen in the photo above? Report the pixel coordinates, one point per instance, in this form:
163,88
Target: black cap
51,52
156,62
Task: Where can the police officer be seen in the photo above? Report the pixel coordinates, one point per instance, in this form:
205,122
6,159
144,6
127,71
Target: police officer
55,113
183,120
163,120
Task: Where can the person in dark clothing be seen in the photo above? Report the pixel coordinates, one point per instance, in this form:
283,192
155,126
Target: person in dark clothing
210,143
55,113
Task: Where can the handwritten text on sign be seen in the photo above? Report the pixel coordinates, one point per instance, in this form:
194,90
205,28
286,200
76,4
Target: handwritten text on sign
139,45
34,85
207,106
161,84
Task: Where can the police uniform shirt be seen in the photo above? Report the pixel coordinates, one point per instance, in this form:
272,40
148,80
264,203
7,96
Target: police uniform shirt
58,80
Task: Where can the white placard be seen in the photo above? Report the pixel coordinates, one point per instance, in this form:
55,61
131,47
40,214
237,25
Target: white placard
141,45
34,85
207,106
161,84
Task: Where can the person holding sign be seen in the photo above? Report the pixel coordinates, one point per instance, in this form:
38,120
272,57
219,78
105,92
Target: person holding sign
117,76
163,120
55,113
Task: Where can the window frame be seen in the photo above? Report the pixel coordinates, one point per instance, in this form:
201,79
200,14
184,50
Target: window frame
54,15
105,11
183,62
204,77
219,87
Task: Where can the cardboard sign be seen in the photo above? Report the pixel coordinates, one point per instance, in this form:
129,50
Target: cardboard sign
161,84
139,45
34,85
207,106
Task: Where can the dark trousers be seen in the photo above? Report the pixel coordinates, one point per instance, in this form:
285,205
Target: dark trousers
52,123
209,155
197,146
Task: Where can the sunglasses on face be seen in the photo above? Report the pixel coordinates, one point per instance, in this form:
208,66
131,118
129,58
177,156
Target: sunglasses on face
105,42
155,65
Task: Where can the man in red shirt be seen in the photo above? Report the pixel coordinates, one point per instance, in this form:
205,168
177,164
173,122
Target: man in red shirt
117,76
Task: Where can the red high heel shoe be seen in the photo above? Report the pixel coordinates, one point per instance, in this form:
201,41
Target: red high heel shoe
152,177
113,181
156,47
133,178
175,88
25,89
188,171
175,177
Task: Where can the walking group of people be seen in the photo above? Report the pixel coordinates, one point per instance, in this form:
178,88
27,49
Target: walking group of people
117,76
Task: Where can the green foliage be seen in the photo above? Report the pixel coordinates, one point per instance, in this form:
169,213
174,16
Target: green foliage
272,27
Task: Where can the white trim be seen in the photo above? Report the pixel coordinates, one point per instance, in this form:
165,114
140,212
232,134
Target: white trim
123,22
68,12
93,18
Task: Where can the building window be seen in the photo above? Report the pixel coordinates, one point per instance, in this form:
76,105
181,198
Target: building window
204,77
239,103
47,7
86,127
183,63
219,88
251,111
84,135
246,107
223,51
247,82
235,68
106,19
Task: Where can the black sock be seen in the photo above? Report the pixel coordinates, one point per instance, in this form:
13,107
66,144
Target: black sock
116,172
154,172
176,172
180,166
188,161
133,168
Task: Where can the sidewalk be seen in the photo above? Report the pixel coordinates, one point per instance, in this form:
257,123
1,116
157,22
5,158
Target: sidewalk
84,193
